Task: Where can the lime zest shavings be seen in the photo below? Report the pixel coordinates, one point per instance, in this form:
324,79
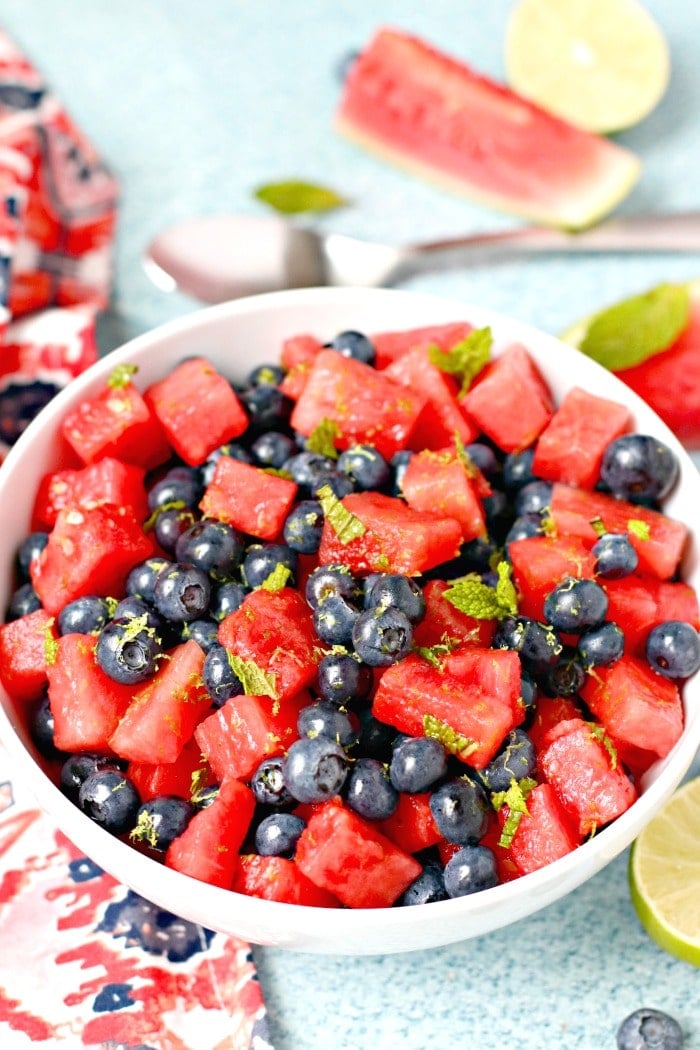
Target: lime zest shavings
255,681
121,376
466,359
598,733
295,196
50,643
345,525
639,529
470,595
145,829
637,328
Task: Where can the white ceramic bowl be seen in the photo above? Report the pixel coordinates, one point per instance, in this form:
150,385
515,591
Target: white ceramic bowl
237,336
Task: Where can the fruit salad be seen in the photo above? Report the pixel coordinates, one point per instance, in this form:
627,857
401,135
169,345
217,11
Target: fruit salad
380,626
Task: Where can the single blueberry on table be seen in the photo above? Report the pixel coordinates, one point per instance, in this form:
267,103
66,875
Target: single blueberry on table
369,791
649,1029
417,762
109,798
315,769
460,810
639,467
278,833
673,649
382,636
470,870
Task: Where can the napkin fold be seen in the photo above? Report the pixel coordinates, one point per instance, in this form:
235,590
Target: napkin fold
87,962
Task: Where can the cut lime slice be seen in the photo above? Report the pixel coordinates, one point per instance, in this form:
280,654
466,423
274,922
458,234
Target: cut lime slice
664,875
602,65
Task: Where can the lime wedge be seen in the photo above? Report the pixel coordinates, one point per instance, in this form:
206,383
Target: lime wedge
664,875
602,65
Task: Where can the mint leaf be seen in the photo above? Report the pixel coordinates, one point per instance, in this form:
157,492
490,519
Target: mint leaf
322,438
465,360
294,196
434,654
345,525
254,680
450,739
516,800
475,598
640,529
121,376
637,328
277,579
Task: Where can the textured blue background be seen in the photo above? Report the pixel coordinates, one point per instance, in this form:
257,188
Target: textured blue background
195,104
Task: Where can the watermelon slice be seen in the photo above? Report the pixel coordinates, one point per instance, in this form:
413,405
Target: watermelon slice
417,107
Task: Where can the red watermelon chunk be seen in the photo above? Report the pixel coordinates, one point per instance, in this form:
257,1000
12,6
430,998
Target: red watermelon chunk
641,710
510,400
85,702
208,848
573,509
248,498
548,712
279,879
389,346
412,826
171,778
89,551
639,603
541,562
588,781
474,697
443,621
109,480
366,406
274,630
442,418
164,711
197,409
438,482
116,422
544,834
23,644
396,537
571,447
345,855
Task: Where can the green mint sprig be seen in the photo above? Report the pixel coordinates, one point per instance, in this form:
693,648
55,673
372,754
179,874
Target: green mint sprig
475,598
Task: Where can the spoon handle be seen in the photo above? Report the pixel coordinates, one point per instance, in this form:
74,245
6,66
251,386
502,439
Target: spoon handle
671,232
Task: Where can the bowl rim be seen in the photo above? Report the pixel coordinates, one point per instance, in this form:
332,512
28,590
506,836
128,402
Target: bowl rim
339,931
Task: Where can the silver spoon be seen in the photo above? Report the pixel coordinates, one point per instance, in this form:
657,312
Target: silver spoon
220,257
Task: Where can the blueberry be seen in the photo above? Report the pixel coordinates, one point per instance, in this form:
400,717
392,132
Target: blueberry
262,559
382,636
232,449
566,677
528,691
515,760
308,469
128,650
399,464
575,604
369,791
109,798
268,408
315,769
303,526
85,615
219,678
265,375
141,579
460,810
326,580
533,498
267,783
226,598
203,632
615,556
498,513
272,449
42,728
523,527
537,644
639,467
162,819
402,592
366,466
470,870
215,547
325,719
649,1029
601,646
77,768
23,601
169,523
29,550
484,459
354,344
181,485
345,64
376,738
133,608
341,485
417,763
181,592
428,887
278,833
334,620
517,469
342,678
673,649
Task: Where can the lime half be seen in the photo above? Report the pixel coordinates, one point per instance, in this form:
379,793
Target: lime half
602,65
664,875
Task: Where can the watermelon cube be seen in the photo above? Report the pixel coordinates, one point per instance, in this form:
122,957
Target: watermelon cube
541,562
639,603
443,620
208,848
544,834
412,826
389,346
23,645
440,483
108,480
248,498
197,409
279,879
442,418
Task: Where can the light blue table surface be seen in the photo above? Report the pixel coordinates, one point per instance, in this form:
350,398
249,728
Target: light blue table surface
195,104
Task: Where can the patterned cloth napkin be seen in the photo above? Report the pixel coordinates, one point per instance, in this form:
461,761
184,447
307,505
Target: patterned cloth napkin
87,963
